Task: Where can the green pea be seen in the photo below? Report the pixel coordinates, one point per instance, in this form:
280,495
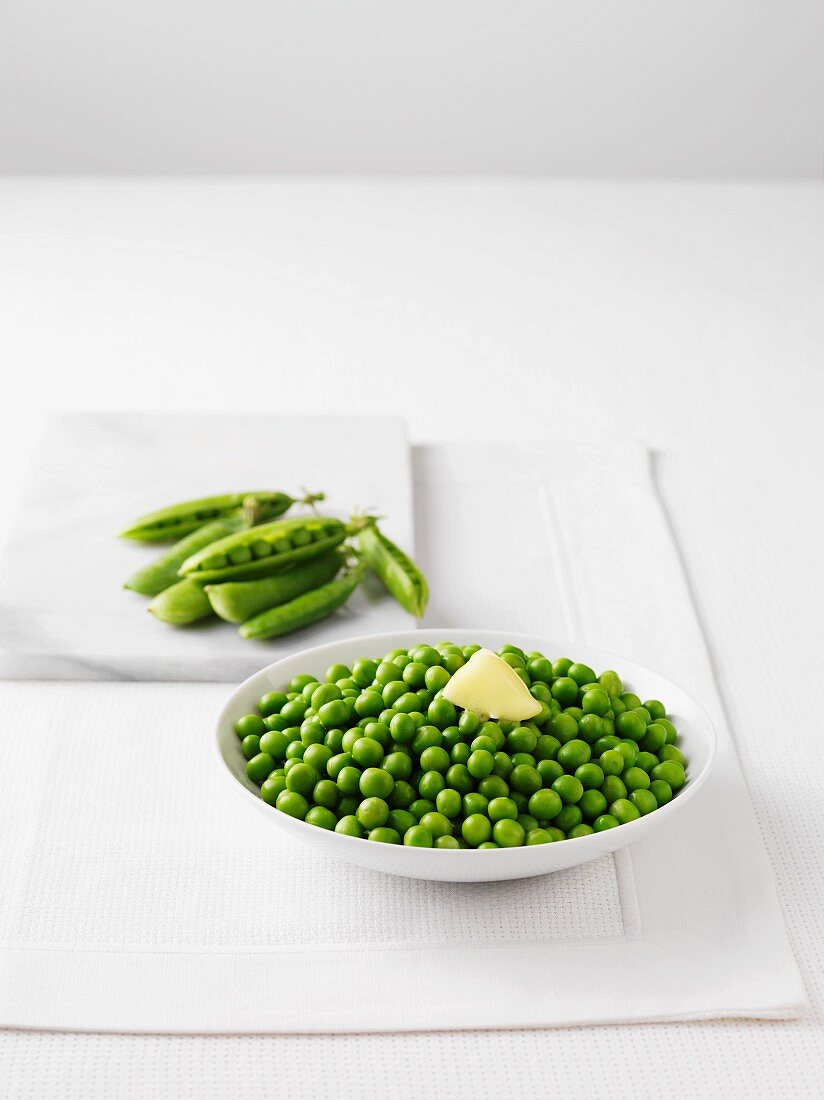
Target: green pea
250,724
603,744
420,807
460,753
540,669
580,830
547,747
321,817
402,727
469,723
611,683
629,751
500,808
564,727
624,811
581,674
493,786
655,737
271,703
317,757
414,675
372,813
349,826
545,804
401,820
503,765
522,739
539,836
669,729
349,780
459,779
435,759
604,822
670,752
591,776
568,788
635,779
250,745
670,771
643,801
476,829
431,784
260,766
437,823
508,833
592,804
590,728
561,666
426,737
613,788
396,690
405,703
565,690
526,779
446,841
480,764
596,702
441,713
367,752
276,722
333,714
574,753
631,725
301,779
295,750
549,770
448,802
646,760
418,837
568,818
403,795
661,790
398,764
271,788
293,804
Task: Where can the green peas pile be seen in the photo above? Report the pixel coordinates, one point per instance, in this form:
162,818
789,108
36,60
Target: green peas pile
376,751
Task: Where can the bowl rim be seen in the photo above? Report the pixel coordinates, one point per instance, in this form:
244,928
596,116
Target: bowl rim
628,831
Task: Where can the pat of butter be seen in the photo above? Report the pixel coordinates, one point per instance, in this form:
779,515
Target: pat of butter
487,685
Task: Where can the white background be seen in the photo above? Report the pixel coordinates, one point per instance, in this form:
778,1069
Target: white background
687,317
567,87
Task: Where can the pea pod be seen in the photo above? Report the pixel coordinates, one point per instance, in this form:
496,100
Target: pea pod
395,569
237,601
306,609
265,549
162,573
183,603
178,520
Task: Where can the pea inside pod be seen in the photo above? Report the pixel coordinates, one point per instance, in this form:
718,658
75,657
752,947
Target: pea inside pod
395,569
177,520
266,549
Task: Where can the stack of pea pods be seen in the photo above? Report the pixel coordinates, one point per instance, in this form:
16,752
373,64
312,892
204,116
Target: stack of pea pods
239,558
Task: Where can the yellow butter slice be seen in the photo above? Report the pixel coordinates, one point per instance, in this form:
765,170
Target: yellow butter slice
488,685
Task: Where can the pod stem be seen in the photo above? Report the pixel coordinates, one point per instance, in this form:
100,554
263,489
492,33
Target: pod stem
310,499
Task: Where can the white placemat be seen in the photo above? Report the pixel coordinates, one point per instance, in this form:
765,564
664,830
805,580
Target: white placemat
140,897
63,611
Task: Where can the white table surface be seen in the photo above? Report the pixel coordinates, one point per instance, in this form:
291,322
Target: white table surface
686,317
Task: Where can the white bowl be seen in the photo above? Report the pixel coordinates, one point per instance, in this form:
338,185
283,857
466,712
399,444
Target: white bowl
696,738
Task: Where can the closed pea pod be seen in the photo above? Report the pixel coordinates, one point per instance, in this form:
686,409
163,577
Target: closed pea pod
237,601
304,610
182,604
395,569
180,519
163,572
266,549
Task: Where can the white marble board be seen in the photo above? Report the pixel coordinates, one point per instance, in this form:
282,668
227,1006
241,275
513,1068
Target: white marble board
63,611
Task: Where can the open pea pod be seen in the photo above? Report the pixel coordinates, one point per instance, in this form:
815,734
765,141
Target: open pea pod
265,549
395,569
161,573
178,520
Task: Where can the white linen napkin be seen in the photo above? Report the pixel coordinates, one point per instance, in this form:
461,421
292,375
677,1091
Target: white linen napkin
64,614
140,895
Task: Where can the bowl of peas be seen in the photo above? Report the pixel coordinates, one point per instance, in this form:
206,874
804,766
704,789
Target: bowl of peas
354,747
